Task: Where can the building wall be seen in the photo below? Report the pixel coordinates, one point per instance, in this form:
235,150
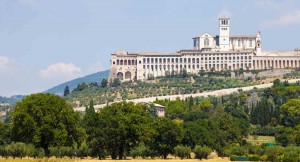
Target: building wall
222,52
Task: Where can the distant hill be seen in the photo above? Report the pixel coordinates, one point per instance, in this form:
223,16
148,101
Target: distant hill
10,100
96,77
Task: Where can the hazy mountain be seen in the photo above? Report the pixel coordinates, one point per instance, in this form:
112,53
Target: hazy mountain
11,100
96,77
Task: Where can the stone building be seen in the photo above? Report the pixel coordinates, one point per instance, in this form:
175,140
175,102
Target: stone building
219,52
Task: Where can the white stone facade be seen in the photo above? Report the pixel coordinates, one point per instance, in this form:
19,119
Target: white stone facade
221,52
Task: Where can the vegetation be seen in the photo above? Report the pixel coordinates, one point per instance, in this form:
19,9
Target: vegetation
172,84
96,77
46,125
46,120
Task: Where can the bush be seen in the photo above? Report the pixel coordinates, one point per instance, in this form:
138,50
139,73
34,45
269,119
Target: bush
274,153
239,150
39,153
60,152
182,151
291,153
84,151
142,151
254,158
17,149
202,152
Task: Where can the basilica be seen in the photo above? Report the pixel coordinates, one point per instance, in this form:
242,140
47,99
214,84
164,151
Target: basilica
209,52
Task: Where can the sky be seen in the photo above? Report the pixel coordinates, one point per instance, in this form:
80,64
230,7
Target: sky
46,42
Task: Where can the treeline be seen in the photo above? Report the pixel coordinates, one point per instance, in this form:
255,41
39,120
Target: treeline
200,125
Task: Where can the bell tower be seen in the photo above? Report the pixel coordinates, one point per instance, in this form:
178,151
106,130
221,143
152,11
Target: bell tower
224,34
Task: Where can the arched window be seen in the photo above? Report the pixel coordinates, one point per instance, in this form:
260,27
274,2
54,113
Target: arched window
206,42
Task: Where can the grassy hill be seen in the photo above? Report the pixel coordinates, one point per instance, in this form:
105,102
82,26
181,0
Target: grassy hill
96,77
175,84
163,86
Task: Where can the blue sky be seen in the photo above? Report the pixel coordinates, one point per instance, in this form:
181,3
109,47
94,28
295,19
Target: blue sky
47,42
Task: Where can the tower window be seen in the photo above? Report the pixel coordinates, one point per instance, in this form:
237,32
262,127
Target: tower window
206,42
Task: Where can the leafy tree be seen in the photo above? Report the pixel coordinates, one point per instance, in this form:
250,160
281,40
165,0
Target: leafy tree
66,91
120,127
175,109
168,136
4,134
290,113
276,83
116,82
104,83
202,152
187,140
182,151
46,120
206,106
184,73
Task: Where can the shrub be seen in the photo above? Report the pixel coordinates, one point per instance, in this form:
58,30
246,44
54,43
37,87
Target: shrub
291,153
274,153
84,151
239,150
182,151
60,152
254,158
17,150
142,151
38,153
202,152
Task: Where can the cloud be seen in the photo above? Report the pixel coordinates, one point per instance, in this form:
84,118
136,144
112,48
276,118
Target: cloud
4,61
274,5
60,71
287,19
224,13
96,67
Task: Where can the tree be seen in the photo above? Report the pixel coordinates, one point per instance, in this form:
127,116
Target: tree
46,120
184,73
104,83
4,134
120,127
168,136
66,91
290,113
202,152
182,151
116,82
276,83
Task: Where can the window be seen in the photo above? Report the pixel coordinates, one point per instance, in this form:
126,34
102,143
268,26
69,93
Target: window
250,43
206,42
239,43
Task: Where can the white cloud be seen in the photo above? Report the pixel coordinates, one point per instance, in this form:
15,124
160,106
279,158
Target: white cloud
287,19
274,5
96,68
224,13
4,61
60,71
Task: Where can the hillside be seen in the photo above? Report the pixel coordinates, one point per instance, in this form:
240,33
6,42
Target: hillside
96,77
10,100
176,84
